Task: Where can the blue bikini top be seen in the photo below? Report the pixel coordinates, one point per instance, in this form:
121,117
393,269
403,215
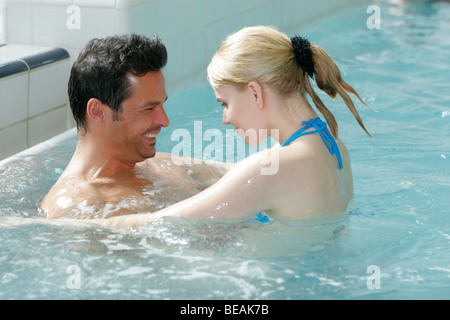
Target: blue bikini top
321,128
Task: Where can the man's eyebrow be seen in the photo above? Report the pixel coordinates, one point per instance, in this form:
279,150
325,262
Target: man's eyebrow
153,103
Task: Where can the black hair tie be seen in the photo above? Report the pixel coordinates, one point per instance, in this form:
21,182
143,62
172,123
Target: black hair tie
303,54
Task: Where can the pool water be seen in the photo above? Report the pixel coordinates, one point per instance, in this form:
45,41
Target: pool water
394,243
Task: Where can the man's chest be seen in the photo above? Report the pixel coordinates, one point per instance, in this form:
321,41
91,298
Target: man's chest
144,195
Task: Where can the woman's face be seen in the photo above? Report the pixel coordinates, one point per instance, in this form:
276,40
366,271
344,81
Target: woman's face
241,110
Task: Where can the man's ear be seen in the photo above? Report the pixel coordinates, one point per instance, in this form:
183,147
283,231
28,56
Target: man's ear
257,93
95,111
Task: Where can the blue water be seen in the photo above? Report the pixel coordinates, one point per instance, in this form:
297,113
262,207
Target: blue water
399,220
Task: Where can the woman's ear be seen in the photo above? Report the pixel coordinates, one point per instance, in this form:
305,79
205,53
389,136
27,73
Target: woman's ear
95,111
256,91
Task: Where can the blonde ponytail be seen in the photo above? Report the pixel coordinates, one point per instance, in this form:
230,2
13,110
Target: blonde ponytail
265,55
329,79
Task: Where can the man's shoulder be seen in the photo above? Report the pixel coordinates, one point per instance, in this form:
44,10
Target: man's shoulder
163,159
66,196
160,157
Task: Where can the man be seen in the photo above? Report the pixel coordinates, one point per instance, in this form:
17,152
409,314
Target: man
116,93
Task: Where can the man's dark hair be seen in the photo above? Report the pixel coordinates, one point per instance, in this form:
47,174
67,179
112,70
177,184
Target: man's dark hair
102,68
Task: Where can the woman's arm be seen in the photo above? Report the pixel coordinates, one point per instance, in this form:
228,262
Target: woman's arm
242,192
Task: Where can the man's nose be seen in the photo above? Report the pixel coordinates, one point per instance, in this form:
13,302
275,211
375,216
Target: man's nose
161,118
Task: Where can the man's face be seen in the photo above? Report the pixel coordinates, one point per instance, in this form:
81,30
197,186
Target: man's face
142,115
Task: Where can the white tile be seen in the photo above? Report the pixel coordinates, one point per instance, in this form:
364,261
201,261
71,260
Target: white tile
198,13
47,125
48,87
277,17
199,58
185,16
73,53
228,9
170,16
13,99
95,3
149,19
14,2
290,12
96,22
210,11
12,140
2,21
224,29
123,21
18,23
127,4
50,26
52,2
237,22
191,57
171,71
212,41
186,56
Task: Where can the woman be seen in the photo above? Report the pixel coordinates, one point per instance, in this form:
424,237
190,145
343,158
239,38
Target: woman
262,79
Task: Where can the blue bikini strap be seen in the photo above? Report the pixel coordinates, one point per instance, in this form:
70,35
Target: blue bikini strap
321,128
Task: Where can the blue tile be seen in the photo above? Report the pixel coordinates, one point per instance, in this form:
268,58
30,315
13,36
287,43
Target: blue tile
33,61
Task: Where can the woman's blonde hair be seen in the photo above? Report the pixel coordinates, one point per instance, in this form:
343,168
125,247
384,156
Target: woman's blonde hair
266,55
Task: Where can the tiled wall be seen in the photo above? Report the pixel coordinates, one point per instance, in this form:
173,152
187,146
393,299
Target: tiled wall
2,21
191,29
33,99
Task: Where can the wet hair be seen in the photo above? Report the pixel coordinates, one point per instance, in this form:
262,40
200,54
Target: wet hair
102,68
266,55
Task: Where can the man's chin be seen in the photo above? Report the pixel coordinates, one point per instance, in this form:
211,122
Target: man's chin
148,154
152,154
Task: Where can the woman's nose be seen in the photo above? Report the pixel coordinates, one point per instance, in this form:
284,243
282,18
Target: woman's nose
224,117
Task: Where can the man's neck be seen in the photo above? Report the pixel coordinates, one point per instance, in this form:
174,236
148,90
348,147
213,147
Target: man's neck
95,160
